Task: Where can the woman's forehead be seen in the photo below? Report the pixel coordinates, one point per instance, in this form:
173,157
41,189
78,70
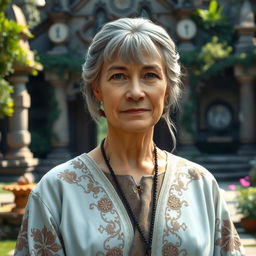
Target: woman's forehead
143,58
148,62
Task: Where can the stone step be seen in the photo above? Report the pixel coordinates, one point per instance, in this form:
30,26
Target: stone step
224,176
226,167
224,159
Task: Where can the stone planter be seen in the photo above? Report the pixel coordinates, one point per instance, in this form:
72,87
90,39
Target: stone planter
21,193
249,225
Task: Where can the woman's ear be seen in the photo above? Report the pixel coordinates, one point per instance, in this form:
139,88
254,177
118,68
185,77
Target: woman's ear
166,96
97,92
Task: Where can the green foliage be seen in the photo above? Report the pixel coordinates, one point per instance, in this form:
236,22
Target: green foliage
246,201
11,54
4,5
214,55
212,52
212,18
68,61
6,102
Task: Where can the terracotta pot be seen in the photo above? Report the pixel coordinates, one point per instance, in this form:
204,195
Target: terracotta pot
249,225
21,193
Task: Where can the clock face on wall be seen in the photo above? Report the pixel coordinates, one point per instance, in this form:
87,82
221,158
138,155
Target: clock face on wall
186,29
58,32
219,116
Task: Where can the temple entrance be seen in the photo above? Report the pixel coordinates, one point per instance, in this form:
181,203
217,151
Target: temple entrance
218,115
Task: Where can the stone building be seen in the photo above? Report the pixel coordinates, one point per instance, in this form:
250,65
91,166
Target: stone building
223,124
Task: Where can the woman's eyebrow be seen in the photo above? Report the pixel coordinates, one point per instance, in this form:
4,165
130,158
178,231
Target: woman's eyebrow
145,67
152,67
116,67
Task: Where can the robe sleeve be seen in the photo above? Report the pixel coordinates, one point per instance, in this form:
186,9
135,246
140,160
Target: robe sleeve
226,240
39,233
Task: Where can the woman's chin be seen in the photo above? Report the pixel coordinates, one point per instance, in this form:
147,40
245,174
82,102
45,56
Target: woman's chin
136,127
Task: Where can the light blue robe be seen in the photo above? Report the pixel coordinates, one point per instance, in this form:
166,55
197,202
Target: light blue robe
74,210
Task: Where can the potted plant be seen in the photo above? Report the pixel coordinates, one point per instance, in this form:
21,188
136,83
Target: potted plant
246,201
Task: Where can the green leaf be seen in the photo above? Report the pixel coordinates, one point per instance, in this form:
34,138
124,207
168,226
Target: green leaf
213,7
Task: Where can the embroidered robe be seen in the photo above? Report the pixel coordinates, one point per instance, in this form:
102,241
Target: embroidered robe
75,210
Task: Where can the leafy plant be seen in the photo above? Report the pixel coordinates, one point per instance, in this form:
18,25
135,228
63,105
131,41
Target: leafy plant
212,17
213,51
246,198
6,102
247,202
11,53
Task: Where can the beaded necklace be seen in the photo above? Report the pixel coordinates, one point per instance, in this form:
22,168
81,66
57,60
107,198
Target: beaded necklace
148,242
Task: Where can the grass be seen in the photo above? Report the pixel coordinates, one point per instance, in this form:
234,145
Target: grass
250,245
2,190
6,246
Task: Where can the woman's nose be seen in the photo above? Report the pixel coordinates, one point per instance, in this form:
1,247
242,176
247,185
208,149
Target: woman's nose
135,91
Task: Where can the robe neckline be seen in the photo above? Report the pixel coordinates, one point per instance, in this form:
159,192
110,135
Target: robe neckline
112,193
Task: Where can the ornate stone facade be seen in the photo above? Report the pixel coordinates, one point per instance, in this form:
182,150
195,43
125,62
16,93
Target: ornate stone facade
68,29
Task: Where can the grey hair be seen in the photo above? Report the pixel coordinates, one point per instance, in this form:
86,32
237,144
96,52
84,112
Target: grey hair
130,39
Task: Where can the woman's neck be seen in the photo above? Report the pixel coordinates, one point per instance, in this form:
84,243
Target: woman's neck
132,151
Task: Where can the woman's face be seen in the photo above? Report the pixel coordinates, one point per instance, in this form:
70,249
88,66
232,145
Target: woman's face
133,95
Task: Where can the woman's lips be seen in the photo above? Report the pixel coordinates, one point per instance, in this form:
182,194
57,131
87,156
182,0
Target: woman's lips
135,110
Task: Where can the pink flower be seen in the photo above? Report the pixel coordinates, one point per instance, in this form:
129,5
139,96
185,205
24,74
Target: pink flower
244,182
232,187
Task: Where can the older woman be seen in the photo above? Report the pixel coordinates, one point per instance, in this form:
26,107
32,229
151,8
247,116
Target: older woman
128,197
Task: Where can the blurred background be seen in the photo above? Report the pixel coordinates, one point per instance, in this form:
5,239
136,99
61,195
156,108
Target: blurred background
43,119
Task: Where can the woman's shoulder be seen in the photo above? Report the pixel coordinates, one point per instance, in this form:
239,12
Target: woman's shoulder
67,171
190,167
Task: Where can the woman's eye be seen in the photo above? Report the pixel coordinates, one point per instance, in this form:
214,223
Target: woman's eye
151,75
118,76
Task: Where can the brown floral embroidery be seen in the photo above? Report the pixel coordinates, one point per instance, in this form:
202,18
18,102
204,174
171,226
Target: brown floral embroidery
45,242
105,205
79,165
22,241
83,178
176,226
174,202
170,249
183,177
195,174
92,188
68,176
110,229
115,252
229,240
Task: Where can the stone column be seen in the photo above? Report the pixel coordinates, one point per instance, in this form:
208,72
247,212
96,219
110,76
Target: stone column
18,137
247,109
60,139
245,29
19,159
